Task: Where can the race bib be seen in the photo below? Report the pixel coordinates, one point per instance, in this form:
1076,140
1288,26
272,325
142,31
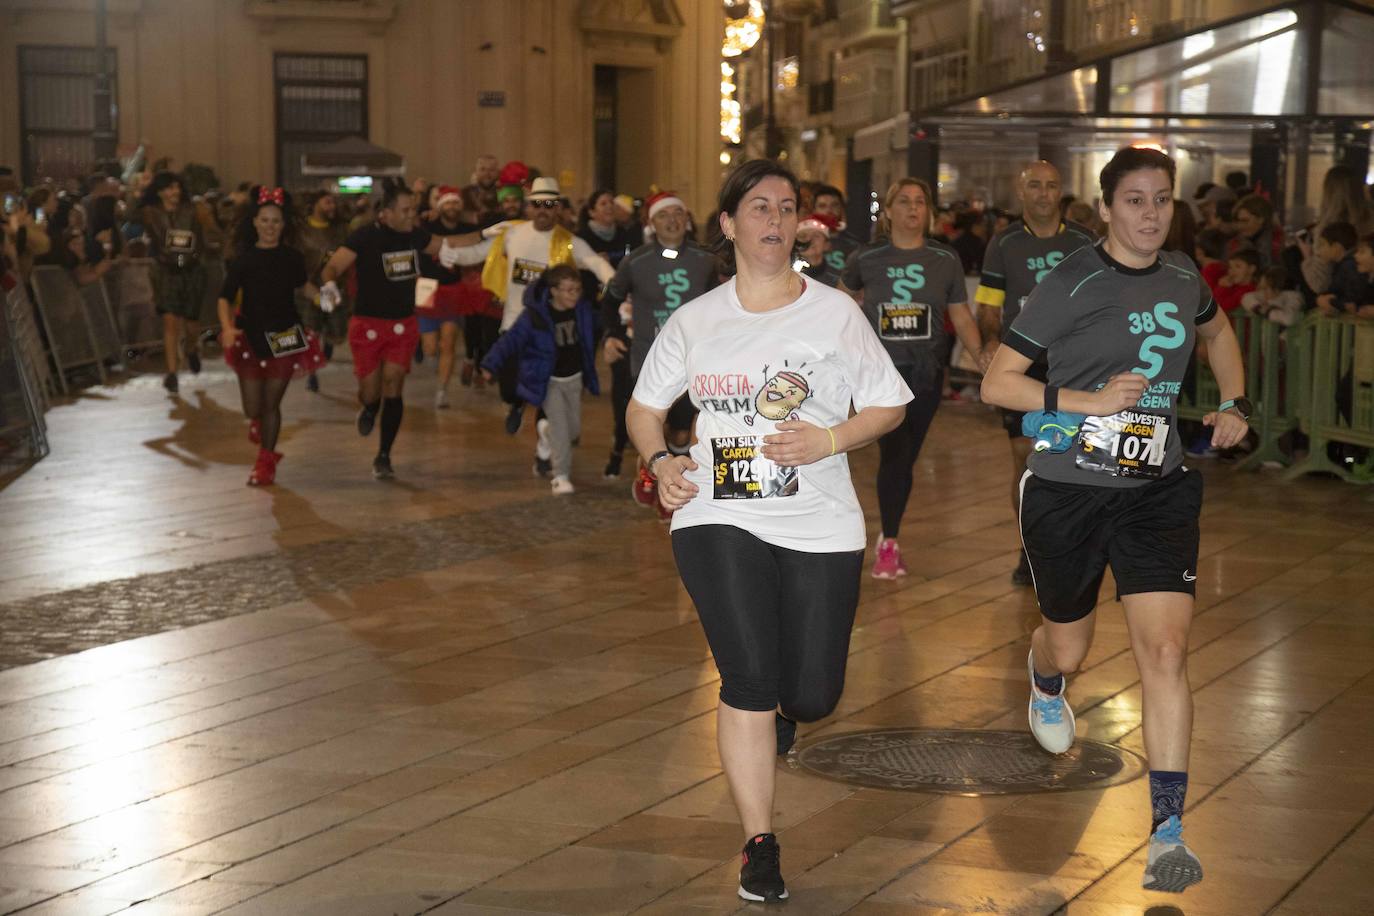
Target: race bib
903,321
526,272
400,265
741,472
180,241
1127,444
424,292
285,343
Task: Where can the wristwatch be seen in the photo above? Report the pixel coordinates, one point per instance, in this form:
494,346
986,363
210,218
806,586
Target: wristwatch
1241,404
654,459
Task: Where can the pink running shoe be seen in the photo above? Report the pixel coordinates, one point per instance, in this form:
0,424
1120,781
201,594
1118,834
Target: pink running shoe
888,564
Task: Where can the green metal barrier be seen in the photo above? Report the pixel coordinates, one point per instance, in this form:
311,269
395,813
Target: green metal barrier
1277,375
1338,403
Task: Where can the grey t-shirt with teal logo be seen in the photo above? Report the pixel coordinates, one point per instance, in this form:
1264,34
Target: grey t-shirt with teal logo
1017,260
1094,317
907,293
657,286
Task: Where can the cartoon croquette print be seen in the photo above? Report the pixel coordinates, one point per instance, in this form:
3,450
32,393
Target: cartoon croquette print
780,397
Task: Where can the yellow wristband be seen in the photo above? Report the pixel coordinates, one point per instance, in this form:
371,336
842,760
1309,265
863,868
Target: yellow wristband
832,439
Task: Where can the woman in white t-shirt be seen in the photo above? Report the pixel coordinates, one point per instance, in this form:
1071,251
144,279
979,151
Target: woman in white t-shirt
767,531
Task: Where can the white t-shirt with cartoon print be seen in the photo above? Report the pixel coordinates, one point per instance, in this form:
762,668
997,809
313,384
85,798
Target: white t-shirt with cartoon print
747,372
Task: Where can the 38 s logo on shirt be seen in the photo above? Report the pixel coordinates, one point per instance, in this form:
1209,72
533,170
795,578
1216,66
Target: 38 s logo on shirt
906,280
1173,335
1044,265
674,284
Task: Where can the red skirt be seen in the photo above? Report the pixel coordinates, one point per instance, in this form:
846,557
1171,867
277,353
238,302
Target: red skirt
248,364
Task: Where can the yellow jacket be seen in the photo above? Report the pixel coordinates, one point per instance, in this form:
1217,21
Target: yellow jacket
496,270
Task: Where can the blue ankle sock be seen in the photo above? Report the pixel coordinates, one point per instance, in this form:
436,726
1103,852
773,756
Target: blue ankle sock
1050,686
1168,789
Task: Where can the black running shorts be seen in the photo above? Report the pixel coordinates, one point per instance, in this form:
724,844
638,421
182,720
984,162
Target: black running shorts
1071,532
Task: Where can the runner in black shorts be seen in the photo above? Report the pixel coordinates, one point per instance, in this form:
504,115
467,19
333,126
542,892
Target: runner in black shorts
1106,484
767,531
1015,261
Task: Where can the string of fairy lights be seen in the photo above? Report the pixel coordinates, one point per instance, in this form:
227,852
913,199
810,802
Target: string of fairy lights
743,29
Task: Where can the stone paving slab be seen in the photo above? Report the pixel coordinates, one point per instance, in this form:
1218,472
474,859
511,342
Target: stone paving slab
70,621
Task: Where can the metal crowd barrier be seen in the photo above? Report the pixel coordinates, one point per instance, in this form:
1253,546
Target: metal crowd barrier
23,433
1340,401
33,357
129,291
67,321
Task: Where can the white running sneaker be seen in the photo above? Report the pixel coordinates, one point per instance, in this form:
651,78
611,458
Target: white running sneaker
441,398
1172,867
1051,717
561,486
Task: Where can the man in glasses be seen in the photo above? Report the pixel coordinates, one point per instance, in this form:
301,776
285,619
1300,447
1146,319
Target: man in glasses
516,255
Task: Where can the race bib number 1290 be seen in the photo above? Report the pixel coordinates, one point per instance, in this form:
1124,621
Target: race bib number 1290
741,472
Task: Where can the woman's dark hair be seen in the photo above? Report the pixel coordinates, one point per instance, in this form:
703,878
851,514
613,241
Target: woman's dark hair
246,235
584,215
1182,231
392,190
1202,189
738,184
161,181
1132,159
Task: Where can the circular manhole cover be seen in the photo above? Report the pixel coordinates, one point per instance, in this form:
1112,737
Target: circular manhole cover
964,762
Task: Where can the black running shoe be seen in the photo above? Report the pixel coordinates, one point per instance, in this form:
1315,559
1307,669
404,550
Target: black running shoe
612,471
787,733
366,420
543,467
1022,574
381,468
514,419
193,361
760,877
169,381
312,383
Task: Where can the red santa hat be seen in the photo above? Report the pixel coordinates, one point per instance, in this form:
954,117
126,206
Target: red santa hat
515,173
819,222
449,192
662,200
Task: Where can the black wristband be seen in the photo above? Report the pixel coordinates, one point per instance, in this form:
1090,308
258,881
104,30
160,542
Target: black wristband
649,465
1051,399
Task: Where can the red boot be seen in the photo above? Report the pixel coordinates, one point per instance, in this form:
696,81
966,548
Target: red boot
265,471
255,432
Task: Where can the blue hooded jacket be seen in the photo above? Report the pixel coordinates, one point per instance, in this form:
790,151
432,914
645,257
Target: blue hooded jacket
530,340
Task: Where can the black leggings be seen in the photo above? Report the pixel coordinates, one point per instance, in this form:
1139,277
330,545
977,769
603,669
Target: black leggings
897,452
777,620
262,402
622,387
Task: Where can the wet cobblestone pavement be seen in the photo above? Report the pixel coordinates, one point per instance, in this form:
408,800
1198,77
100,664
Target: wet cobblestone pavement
75,620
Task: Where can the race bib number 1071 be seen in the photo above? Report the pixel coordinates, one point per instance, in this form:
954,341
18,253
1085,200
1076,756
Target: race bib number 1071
1128,444
741,472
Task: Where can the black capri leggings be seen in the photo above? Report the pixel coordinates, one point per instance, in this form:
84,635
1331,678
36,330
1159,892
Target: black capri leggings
778,620
897,453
